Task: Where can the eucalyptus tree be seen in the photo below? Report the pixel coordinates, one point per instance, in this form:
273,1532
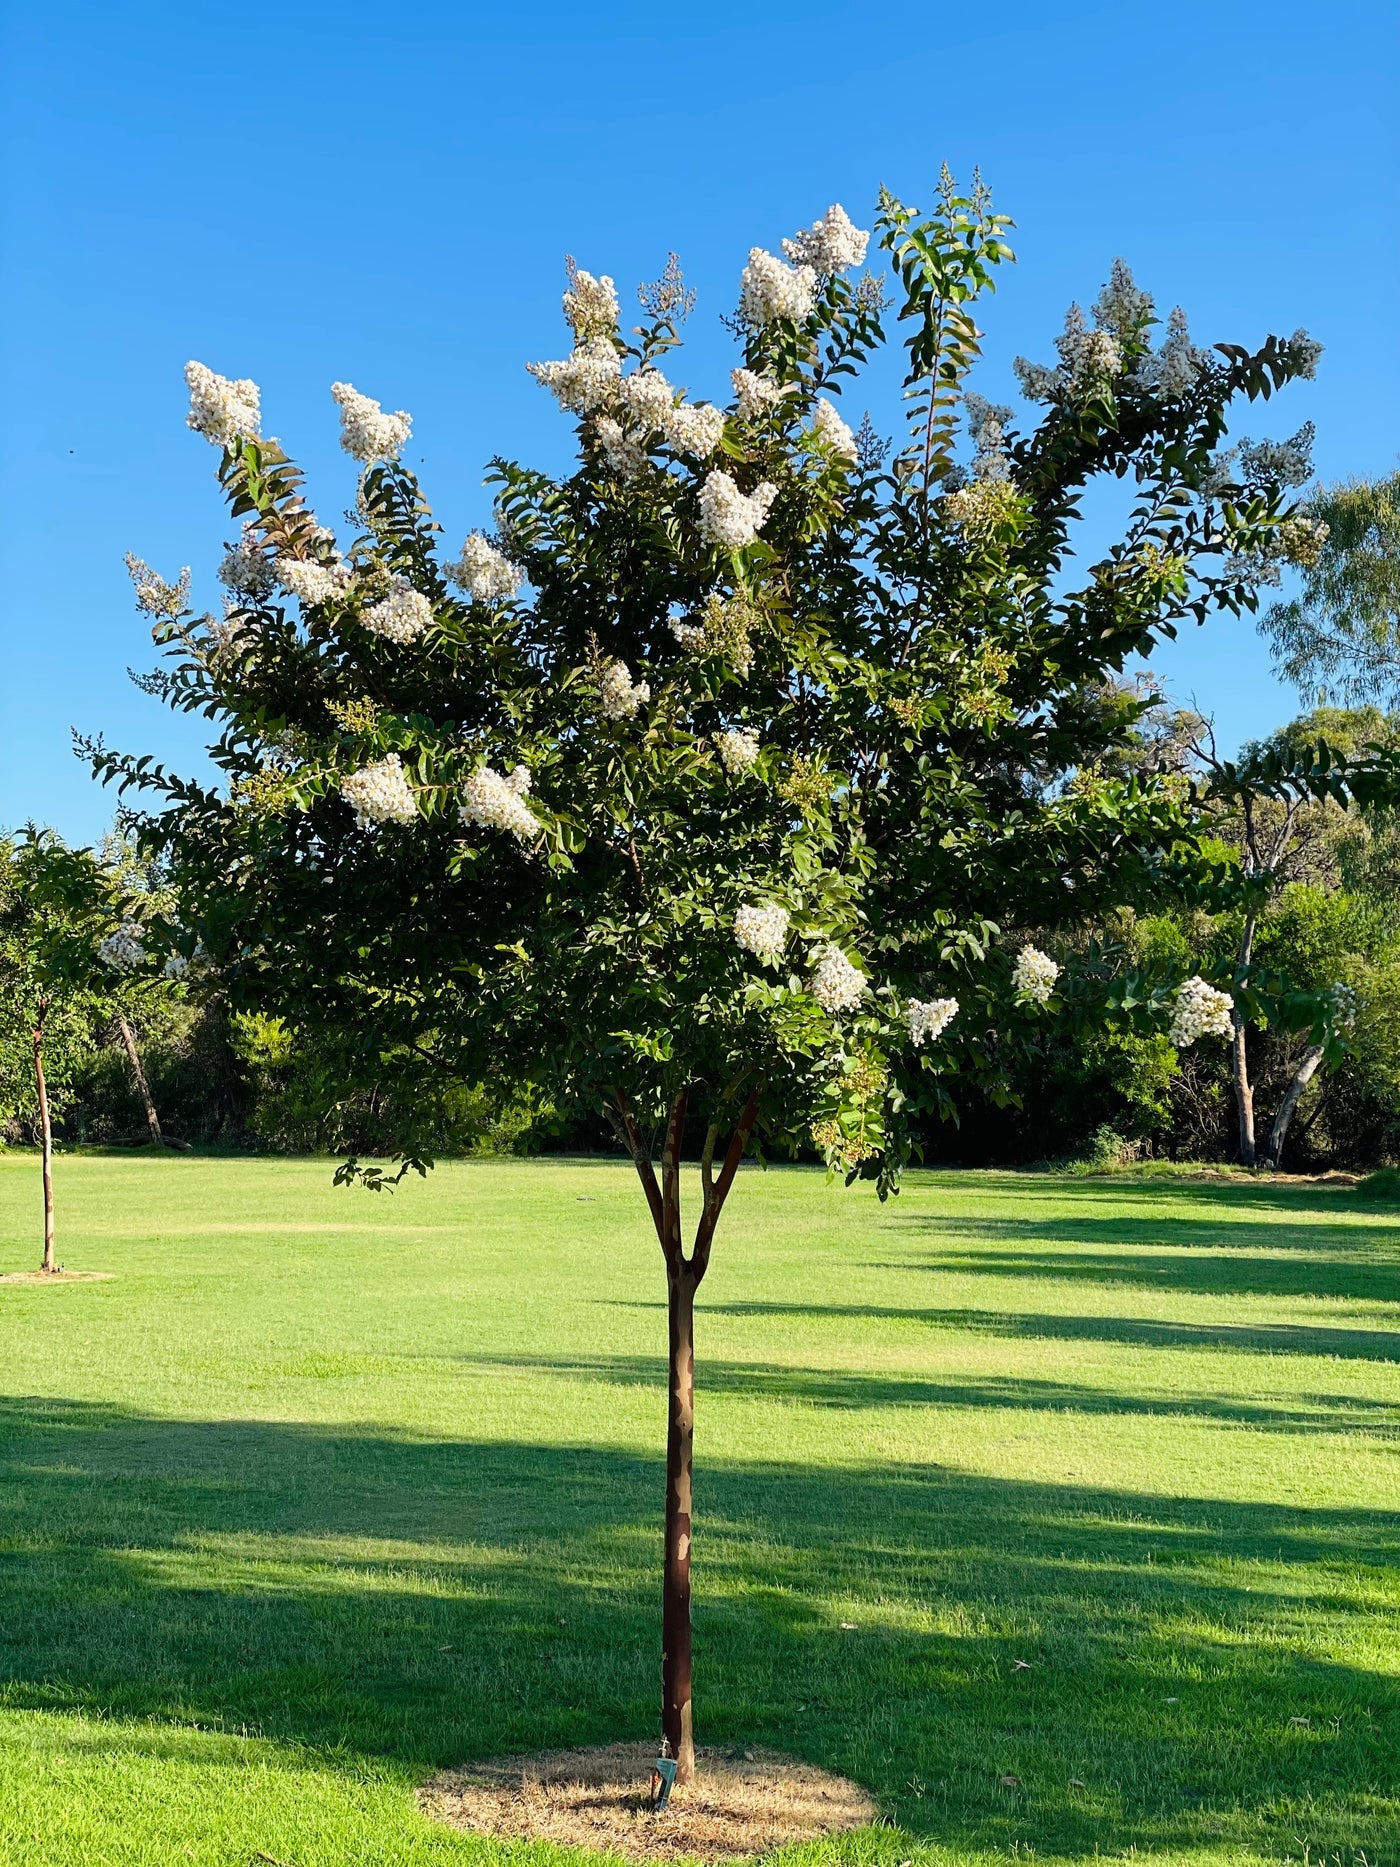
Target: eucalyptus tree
701,790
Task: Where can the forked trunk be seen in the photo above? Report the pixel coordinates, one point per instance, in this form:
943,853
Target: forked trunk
46,1141
677,1721
683,1277
1302,1076
133,1056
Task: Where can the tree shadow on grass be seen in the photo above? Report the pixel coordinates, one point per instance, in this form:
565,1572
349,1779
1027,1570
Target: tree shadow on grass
1141,1332
854,1389
1201,1256
439,1600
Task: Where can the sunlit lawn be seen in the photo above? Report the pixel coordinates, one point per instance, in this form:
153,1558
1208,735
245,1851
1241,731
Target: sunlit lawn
1064,1514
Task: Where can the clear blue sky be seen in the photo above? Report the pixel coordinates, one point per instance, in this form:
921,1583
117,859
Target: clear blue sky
385,195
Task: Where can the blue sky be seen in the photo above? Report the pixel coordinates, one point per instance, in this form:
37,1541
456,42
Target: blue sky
385,195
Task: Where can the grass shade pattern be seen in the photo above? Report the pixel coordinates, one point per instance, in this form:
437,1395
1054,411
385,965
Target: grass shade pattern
1062,1515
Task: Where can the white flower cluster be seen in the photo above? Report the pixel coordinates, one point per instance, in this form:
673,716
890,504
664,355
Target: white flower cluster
498,803
762,931
122,950
1306,350
313,582
366,432
245,569
986,423
929,1018
1122,306
590,305
1034,975
619,697
1200,1011
379,793
402,616
1089,363
836,984
651,402
755,394
626,457
769,290
154,595
1287,462
484,572
695,428
219,409
737,748
584,382
831,244
729,517
1177,365
832,431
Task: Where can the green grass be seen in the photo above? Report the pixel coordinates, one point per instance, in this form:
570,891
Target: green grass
323,1491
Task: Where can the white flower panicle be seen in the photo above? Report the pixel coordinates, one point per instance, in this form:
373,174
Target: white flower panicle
1122,307
737,748
929,1018
1034,975
497,803
366,432
1288,462
832,430
831,244
590,305
154,595
626,457
485,573
618,696
1177,365
755,394
402,616
695,428
584,382
836,984
245,568
762,931
1300,541
1200,1011
769,290
729,517
122,950
647,397
380,793
220,410
313,582
1307,350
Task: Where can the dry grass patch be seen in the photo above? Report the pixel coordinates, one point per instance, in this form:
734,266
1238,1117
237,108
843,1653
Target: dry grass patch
740,1804
57,1277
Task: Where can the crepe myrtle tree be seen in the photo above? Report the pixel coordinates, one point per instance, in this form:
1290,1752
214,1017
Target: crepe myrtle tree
703,788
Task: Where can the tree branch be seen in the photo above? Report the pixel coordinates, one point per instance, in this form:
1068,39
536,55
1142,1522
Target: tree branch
628,1133
714,1203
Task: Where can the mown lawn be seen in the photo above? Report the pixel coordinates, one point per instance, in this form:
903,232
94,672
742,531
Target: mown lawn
323,1491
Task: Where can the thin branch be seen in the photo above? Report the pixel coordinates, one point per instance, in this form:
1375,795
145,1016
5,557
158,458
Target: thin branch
628,1133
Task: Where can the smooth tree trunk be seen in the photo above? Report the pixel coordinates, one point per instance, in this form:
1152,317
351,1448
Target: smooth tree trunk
1302,1076
133,1057
46,1141
683,1278
1239,1057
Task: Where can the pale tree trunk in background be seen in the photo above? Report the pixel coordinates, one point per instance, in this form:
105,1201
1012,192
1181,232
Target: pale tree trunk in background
128,1037
1239,1056
1302,1076
46,1139
683,1278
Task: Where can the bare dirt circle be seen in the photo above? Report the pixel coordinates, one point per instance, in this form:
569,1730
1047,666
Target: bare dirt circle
741,1802
57,1277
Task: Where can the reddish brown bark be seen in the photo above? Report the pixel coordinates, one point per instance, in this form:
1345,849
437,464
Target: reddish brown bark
683,1277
